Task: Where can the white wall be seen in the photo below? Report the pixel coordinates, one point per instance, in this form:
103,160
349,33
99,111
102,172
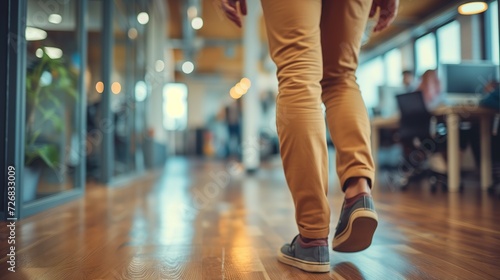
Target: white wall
207,95
407,62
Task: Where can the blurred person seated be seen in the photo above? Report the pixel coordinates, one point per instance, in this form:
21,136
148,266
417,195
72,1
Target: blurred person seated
469,130
409,82
435,165
491,98
430,86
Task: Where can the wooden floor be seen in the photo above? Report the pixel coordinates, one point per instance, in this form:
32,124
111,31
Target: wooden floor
207,220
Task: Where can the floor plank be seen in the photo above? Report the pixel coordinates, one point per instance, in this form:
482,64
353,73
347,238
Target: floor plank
206,219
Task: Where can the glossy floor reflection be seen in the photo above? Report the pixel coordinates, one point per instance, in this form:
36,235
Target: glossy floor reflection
203,219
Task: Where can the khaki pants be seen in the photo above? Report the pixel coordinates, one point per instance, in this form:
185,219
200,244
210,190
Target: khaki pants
315,45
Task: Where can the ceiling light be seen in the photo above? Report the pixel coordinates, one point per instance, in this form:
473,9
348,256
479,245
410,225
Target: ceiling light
197,23
53,52
39,53
99,87
116,87
55,18
234,94
245,83
472,8
187,67
35,34
239,89
159,65
143,18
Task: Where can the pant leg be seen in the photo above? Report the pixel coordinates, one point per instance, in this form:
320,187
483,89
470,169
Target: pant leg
342,25
295,46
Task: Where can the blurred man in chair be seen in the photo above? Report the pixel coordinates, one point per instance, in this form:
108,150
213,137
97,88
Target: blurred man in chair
409,82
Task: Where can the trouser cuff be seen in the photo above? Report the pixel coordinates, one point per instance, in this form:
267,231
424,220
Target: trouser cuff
314,234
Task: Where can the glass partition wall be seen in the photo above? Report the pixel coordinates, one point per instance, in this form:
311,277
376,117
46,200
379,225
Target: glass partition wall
53,118
128,65
74,111
114,120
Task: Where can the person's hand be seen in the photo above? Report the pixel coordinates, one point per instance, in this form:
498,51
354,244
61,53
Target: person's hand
388,11
231,11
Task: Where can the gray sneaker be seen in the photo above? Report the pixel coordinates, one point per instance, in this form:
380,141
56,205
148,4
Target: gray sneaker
357,224
310,257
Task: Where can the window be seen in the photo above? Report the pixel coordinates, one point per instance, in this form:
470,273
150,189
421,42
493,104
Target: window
175,106
393,66
449,43
493,22
425,48
370,77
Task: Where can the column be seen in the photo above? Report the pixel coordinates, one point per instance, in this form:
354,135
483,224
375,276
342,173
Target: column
106,122
251,106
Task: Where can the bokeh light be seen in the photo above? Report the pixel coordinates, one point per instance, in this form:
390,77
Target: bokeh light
99,87
116,88
187,67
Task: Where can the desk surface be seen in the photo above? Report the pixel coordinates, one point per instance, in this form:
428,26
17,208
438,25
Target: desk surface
386,122
463,111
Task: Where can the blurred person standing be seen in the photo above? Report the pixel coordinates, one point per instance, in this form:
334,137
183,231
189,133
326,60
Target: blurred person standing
315,45
231,116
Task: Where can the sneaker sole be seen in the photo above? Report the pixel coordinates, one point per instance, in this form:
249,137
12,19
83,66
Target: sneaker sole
304,265
358,234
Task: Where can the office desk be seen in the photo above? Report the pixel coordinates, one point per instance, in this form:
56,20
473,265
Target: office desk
453,115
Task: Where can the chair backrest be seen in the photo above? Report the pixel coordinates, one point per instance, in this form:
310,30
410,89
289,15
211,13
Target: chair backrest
412,106
415,118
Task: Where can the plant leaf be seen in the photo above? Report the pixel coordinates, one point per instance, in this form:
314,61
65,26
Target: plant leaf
35,135
48,153
56,101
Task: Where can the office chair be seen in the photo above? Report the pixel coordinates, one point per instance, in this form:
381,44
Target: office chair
418,127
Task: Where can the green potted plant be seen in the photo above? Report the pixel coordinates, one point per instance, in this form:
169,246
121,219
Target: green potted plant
47,80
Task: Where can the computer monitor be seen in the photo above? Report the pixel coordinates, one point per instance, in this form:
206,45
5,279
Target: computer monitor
387,105
466,81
